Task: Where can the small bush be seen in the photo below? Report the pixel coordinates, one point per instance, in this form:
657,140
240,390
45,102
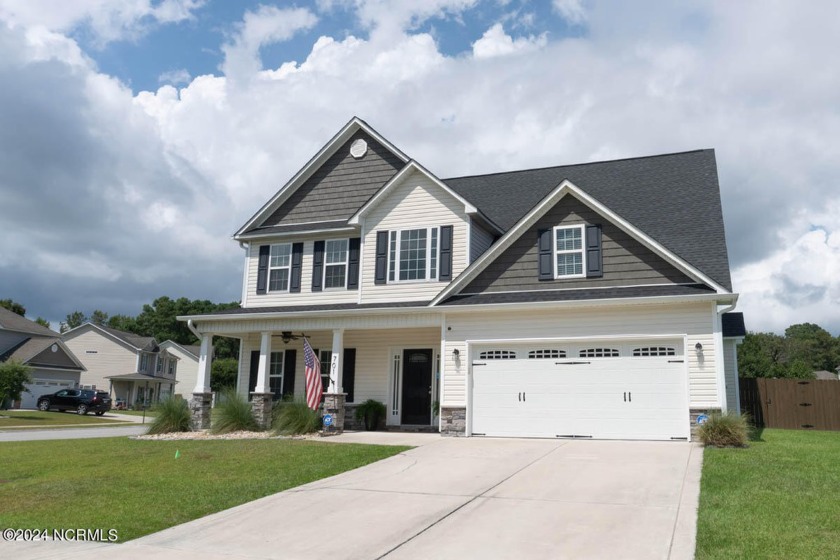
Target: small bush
233,415
294,417
173,415
725,430
370,412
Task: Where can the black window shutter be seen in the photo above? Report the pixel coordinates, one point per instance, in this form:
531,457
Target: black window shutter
297,260
262,269
353,264
381,275
594,257
255,368
289,372
445,268
545,257
348,372
318,266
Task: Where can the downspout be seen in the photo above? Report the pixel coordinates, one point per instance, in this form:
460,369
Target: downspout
719,355
193,329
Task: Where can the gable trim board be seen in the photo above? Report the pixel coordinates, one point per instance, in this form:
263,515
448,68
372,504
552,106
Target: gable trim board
568,188
72,333
354,125
279,234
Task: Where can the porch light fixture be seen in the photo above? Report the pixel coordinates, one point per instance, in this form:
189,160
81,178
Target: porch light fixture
698,347
456,352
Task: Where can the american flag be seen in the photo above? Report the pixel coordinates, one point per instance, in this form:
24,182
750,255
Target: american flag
313,376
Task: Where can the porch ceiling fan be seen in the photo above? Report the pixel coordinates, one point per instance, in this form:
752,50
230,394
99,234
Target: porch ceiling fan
288,336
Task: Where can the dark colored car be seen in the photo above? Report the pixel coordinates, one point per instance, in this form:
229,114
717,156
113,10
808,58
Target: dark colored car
81,401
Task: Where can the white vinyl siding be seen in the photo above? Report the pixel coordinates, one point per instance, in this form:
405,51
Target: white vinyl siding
638,321
186,369
417,203
109,357
306,295
480,241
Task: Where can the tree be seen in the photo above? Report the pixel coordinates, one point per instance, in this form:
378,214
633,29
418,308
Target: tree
13,306
223,373
99,318
813,346
43,322
73,320
14,376
122,323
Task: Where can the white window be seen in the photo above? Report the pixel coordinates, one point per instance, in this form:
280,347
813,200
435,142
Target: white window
171,366
335,263
654,351
569,256
547,353
413,254
144,361
275,374
159,366
599,353
497,355
279,267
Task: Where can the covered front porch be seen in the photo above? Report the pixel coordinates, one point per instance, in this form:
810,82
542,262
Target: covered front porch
392,359
137,390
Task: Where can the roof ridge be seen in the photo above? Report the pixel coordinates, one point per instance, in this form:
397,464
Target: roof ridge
599,162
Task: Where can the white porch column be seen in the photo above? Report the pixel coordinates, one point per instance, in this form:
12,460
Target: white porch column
336,377
265,362
205,357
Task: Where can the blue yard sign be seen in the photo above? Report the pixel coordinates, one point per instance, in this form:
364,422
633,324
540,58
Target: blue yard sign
328,420
702,419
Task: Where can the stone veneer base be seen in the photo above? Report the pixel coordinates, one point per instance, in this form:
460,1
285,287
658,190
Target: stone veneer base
693,414
200,406
334,406
453,421
261,405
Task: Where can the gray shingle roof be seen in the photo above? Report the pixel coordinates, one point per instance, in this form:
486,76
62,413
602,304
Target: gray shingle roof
673,198
14,322
142,342
575,295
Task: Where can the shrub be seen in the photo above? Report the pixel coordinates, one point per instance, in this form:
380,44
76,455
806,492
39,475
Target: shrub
294,417
370,412
233,415
725,430
173,415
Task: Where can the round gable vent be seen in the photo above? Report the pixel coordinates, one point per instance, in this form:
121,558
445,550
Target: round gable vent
54,348
358,149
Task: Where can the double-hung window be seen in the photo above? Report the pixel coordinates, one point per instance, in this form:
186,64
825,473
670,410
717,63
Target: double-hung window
275,374
569,254
335,263
413,254
279,267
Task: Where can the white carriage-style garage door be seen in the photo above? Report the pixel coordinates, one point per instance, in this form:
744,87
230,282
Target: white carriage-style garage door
585,389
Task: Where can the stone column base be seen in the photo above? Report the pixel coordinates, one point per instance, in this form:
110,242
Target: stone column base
334,406
453,421
200,406
261,404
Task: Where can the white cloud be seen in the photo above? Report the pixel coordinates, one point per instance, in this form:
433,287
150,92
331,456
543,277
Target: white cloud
572,11
265,26
495,42
175,77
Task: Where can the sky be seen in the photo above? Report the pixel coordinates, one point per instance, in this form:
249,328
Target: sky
137,136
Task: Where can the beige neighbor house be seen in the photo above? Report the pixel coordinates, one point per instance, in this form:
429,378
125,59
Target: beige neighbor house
577,301
53,365
187,369
130,367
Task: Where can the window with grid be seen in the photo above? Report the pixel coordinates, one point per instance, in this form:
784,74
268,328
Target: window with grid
547,353
279,267
654,351
568,251
413,254
497,355
599,353
275,374
335,263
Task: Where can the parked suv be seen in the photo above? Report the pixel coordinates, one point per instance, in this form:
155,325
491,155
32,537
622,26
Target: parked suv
80,400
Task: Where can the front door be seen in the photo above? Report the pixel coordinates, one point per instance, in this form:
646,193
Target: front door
417,387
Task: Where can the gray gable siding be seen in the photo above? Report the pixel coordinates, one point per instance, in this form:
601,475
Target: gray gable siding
339,187
58,359
626,261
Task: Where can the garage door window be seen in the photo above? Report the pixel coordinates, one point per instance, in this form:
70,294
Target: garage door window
599,353
547,353
497,355
654,351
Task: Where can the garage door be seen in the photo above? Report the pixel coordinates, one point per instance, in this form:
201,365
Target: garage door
40,387
595,389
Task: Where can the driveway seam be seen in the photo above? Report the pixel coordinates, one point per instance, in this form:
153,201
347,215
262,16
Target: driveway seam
680,501
471,500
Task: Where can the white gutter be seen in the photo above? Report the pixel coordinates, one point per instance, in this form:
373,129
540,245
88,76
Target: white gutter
192,328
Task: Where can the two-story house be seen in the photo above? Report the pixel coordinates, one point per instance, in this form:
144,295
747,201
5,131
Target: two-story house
53,366
581,300
130,367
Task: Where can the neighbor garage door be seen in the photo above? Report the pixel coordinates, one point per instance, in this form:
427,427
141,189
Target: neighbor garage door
40,387
593,389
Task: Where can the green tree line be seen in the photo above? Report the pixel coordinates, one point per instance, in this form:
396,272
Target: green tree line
804,349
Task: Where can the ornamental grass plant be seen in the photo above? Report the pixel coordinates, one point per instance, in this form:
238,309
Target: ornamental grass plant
725,430
294,417
172,415
233,415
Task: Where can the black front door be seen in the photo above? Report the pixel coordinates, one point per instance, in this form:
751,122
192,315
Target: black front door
417,387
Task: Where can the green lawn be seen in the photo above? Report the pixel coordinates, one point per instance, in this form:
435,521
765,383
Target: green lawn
780,498
133,412
139,487
38,419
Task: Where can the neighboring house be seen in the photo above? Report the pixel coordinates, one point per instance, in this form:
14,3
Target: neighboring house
187,369
825,375
54,367
585,300
130,367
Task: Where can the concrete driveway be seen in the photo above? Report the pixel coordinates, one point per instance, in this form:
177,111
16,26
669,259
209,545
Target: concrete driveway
460,498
